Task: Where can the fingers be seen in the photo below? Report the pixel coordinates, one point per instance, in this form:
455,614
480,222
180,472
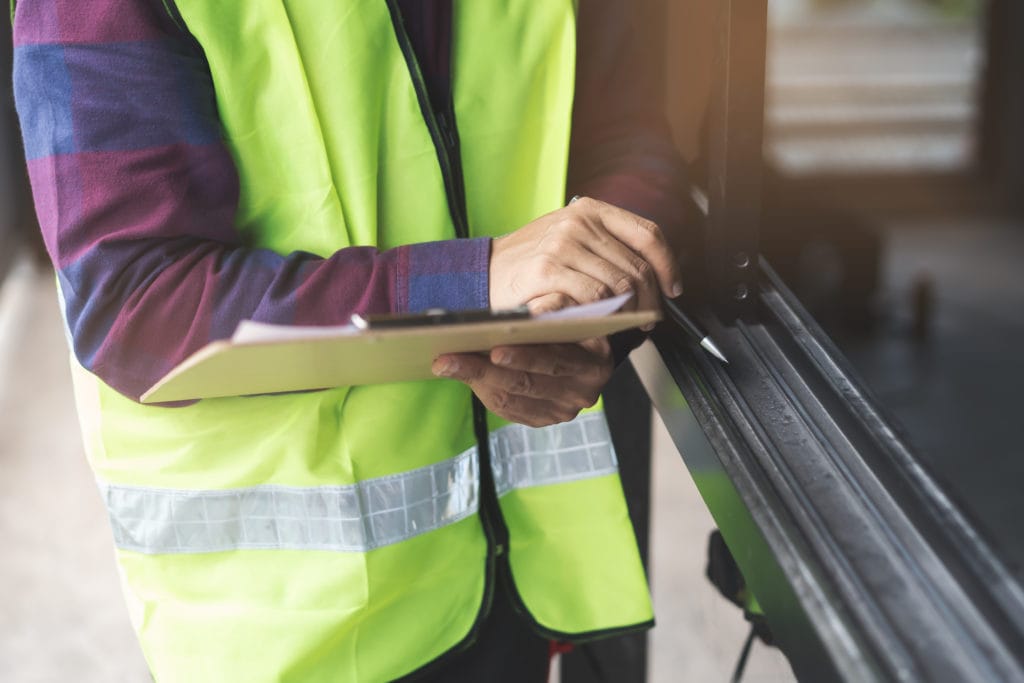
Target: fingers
623,270
586,252
556,360
481,374
600,347
642,236
587,264
531,412
517,396
581,276
617,270
547,303
532,385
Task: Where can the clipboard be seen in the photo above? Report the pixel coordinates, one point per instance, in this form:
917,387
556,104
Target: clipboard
281,359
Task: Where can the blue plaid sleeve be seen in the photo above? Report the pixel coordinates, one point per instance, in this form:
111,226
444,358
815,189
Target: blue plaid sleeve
451,275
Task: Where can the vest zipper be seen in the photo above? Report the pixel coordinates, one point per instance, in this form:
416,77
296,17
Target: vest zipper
441,126
448,131
444,133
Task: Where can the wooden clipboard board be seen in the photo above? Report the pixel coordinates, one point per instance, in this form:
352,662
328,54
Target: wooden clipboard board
227,368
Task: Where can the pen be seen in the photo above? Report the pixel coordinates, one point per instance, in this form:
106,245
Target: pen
687,323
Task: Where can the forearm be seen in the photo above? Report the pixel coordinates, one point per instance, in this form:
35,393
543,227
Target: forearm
137,308
137,195
622,150
649,184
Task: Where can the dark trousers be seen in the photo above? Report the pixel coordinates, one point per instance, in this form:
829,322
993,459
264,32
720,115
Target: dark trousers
506,651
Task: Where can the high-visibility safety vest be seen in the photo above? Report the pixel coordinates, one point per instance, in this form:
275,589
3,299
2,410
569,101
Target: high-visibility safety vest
356,534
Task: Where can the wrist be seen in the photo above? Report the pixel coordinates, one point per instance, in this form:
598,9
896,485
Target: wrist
451,274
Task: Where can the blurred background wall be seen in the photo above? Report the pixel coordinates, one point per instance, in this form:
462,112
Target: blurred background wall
893,204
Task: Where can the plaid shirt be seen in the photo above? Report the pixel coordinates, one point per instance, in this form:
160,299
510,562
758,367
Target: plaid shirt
136,193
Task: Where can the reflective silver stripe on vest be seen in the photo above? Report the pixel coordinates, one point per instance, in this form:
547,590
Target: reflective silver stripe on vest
522,457
358,517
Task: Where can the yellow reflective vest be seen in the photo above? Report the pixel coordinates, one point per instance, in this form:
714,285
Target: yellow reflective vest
356,534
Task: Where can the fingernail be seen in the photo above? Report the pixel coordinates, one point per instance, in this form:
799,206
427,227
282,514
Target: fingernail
677,289
503,358
648,327
446,368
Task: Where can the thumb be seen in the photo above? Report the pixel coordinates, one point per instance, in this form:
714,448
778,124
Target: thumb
546,303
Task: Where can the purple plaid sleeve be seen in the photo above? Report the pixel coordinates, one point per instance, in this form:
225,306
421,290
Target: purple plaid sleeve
136,195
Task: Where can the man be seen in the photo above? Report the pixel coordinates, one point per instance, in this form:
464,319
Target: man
195,164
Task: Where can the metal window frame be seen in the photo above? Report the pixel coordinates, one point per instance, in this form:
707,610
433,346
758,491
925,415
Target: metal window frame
865,568
735,157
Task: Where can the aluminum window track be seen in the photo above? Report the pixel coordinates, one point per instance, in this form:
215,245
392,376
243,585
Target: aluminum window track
866,570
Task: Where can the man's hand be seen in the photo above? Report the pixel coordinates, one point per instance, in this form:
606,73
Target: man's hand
534,385
585,252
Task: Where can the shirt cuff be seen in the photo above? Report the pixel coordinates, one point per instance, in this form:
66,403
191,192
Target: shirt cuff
452,274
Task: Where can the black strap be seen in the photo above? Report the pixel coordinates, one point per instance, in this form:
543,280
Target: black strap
741,665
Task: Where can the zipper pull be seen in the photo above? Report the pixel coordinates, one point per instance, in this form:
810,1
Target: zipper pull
446,130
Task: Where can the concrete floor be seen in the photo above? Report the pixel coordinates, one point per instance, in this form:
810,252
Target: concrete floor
955,390
63,617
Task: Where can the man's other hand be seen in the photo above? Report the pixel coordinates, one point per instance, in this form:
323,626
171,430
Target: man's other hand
534,385
584,252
